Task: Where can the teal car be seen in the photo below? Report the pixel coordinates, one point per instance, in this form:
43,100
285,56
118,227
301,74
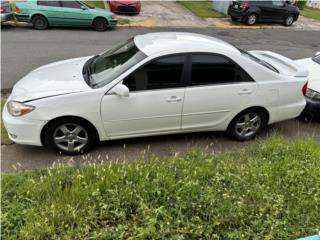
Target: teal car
43,14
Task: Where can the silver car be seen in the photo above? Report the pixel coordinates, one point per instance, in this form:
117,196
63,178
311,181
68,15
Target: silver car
6,11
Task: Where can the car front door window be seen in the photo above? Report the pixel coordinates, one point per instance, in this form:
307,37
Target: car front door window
163,73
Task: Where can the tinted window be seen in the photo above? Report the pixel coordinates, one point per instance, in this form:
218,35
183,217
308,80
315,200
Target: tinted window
70,4
162,73
278,3
215,69
49,3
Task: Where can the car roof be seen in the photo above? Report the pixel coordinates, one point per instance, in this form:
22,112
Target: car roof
153,43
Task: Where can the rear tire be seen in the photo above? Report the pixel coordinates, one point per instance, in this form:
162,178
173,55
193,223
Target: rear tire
100,24
70,136
252,19
247,124
288,21
39,22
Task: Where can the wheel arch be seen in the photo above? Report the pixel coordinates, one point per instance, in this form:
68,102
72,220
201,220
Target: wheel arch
260,108
38,14
46,126
102,17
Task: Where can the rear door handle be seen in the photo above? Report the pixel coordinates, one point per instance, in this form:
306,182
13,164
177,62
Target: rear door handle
173,99
245,92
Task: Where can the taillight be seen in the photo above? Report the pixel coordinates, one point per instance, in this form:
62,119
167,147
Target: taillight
17,10
305,89
244,6
1,9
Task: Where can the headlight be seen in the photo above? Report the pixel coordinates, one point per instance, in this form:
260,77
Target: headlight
114,17
18,109
313,94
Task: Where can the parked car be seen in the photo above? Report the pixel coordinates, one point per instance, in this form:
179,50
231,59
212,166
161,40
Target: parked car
43,14
6,11
313,92
153,84
252,12
125,6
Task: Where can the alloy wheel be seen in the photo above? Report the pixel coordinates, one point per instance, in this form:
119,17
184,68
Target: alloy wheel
70,137
248,125
252,19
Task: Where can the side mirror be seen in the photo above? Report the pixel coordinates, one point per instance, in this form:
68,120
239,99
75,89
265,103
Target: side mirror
83,7
121,90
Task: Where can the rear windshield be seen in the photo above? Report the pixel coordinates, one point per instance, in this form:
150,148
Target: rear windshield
258,60
316,58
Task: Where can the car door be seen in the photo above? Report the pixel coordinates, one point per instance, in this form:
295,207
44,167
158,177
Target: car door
272,10
155,101
218,89
52,10
76,14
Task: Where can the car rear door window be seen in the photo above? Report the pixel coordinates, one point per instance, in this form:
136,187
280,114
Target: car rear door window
216,69
71,4
162,73
49,3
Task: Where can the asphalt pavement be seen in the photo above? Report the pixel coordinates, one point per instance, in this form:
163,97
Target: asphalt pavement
24,49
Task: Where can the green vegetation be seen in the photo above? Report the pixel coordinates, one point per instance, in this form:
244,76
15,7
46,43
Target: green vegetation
97,4
309,12
268,191
202,9
4,135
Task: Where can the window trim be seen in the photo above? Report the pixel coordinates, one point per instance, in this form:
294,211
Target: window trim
216,84
59,3
183,73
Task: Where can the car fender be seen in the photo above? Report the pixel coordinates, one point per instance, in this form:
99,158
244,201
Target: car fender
37,13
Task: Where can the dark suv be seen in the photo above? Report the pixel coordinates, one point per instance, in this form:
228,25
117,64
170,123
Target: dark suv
252,12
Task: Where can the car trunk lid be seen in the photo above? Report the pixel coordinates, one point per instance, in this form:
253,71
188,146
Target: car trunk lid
283,64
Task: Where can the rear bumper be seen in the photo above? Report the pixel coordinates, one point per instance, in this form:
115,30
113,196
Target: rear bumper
240,15
312,107
6,17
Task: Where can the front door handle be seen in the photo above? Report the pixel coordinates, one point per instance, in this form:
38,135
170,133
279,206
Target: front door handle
245,92
173,99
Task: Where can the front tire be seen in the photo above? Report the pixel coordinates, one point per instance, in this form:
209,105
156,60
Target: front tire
288,21
100,24
247,124
39,22
70,136
252,19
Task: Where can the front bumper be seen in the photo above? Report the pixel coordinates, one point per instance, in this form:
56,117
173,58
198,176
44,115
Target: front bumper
312,107
6,17
127,9
113,23
23,130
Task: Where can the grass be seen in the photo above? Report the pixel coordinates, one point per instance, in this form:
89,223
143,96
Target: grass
311,13
4,135
202,9
268,191
97,4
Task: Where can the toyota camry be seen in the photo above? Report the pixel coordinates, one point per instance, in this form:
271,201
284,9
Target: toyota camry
153,84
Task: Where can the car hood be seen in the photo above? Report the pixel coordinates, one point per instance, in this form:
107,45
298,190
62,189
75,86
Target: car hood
63,77
314,73
127,1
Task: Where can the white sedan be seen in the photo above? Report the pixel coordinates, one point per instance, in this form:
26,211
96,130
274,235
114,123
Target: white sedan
158,83
313,92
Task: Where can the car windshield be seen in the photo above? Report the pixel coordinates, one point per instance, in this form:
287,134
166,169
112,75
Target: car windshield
316,58
258,60
104,68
